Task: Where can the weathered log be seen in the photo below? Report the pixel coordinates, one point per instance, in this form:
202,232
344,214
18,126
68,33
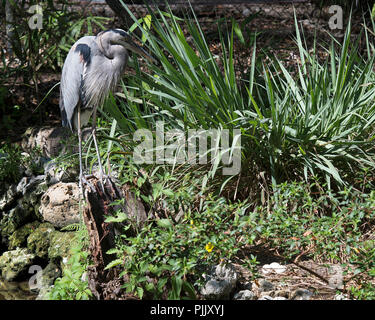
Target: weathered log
102,234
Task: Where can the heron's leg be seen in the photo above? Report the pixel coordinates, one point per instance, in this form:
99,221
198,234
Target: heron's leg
80,149
93,130
82,178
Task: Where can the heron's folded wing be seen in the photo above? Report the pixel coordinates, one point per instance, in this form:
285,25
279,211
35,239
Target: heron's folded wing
71,87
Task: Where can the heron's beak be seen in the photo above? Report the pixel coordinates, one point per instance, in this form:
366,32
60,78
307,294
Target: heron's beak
130,45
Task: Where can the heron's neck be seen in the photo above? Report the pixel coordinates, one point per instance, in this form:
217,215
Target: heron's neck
120,56
111,51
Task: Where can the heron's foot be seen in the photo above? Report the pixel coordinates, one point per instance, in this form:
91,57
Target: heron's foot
83,181
104,179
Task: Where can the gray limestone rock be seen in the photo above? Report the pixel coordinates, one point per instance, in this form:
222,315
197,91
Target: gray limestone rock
221,282
60,204
244,295
302,294
13,262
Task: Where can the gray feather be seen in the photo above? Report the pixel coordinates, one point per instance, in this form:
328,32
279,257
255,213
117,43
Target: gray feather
91,70
71,78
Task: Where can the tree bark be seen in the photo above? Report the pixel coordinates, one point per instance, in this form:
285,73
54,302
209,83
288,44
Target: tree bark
9,27
101,233
121,12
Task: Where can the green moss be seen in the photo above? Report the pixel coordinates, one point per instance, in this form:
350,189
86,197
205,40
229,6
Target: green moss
38,241
12,263
60,244
19,237
12,220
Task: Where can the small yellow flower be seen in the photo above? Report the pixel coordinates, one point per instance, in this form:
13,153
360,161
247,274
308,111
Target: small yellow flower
191,222
209,247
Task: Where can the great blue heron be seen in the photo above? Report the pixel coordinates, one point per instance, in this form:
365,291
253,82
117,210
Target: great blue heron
91,70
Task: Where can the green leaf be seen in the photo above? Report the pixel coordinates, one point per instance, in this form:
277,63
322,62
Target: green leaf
140,292
238,31
113,251
120,217
114,263
189,290
165,223
176,288
168,192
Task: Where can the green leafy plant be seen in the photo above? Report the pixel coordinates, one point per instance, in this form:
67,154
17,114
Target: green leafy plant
312,123
37,51
73,283
10,161
321,121
47,47
165,259
303,224
297,123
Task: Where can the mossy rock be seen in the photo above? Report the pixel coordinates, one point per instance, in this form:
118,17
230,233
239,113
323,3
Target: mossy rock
19,237
38,241
8,195
15,290
12,220
26,208
60,244
13,262
50,273
31,200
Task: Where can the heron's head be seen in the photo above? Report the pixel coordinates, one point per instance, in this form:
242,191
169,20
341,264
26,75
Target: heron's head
120,37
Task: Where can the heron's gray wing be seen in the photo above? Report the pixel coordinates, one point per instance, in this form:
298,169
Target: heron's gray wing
73,73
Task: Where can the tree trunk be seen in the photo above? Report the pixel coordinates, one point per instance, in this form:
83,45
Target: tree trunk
121,12
102,234
9,29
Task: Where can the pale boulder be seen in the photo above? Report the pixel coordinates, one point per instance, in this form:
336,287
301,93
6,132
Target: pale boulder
60,204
